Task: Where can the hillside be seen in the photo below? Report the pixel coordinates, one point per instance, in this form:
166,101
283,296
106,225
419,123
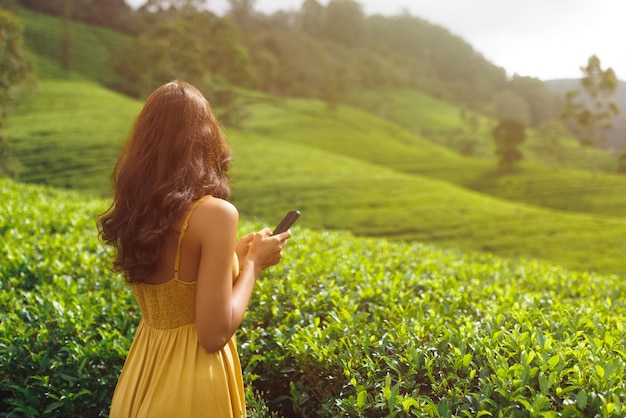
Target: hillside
339,181
469,133
361,135
346,169
69,134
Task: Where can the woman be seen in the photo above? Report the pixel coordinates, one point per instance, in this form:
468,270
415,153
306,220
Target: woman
175,236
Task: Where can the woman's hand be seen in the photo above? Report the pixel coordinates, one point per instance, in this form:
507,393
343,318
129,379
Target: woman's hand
265,250
242,246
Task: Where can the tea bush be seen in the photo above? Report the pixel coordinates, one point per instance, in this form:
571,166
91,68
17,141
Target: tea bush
343,327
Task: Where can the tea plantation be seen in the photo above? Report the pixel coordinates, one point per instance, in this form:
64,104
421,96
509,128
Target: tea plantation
343,327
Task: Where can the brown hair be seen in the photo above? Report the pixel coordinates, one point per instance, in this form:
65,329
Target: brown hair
176,153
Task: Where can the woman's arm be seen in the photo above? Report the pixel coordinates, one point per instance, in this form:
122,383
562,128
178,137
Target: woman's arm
220,305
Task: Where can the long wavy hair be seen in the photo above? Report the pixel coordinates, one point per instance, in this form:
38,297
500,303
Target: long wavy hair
176,153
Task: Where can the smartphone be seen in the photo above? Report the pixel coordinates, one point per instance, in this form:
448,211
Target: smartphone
287,221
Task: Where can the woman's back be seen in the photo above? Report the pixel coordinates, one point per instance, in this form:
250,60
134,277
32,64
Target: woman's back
167,373
183,360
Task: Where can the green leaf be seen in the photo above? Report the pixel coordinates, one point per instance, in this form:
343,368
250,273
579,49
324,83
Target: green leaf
467,359
599,370
554,360
361,397
444,408
543,383
581,400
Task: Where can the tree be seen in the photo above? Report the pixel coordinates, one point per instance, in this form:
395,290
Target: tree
311,17
590,109
16,67
345,22
543,105
508,136
180,6
242,12
200,48
509,105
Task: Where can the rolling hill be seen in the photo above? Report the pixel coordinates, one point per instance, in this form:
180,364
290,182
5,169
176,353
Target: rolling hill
345,169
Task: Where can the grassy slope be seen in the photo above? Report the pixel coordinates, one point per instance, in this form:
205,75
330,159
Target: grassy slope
91,47
361,135
69,134
343,193
333,190
442,123
343,169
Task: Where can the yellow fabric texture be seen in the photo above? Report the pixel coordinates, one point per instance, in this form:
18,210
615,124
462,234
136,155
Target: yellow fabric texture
167,373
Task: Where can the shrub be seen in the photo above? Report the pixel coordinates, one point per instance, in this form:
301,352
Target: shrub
342,327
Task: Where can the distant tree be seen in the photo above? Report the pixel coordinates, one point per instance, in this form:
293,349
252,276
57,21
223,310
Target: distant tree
311,18
108,12
195,48
509,105
242,12
345,22
201,48
543,105
589,109
508,135
179,6
16,67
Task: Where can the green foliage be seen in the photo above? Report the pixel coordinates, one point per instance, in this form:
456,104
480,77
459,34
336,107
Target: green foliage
343,327
408,331
200,48
508,136
63,336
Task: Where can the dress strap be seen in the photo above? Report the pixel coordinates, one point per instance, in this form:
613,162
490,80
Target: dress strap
183,229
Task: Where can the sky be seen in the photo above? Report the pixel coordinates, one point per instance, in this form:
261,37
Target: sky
546,39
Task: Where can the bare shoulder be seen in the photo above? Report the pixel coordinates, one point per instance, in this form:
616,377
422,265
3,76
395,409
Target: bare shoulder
215,213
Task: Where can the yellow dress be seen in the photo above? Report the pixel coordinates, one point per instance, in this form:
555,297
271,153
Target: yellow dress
167,372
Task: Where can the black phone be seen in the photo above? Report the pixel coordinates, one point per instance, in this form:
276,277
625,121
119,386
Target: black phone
287,221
